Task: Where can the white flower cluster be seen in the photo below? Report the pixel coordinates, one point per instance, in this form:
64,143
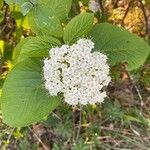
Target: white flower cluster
77,73
94,5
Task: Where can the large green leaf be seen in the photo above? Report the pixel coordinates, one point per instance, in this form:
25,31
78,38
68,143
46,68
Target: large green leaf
26,7
20,2
24,98
78,27
38,46
60,8
119,45
18,48
44,22
45,17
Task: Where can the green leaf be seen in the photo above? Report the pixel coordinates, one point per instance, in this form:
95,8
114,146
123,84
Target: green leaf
24,98
26,7
1,4
131,118
35,47
39,46
1,16
17,15
44,22
120,45
60,8
78,27
34,1
20,2
17,49
85,2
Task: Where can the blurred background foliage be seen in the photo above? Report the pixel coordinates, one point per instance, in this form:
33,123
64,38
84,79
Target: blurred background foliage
121,122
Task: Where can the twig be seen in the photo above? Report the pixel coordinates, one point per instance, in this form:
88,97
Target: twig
127,10
102,10
116,4
138,92
101,7
80,124
10,135
125,131
134,131
40,141
147,22
73,124
55,115
104,137
145,16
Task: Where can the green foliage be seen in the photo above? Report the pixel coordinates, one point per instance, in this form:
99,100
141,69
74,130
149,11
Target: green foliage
65,129
81,145
134,115
78,27
43,21
145,77
24,99
112,111
59,8
120,45
26,7
46,15
34,47
19,2
17,15
17,49
1,12
1,16
1,3
85,2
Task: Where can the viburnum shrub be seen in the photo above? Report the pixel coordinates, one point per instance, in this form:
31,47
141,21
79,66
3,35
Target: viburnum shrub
68,61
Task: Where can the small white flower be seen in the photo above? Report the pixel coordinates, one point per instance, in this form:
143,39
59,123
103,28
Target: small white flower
77,73
94,5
